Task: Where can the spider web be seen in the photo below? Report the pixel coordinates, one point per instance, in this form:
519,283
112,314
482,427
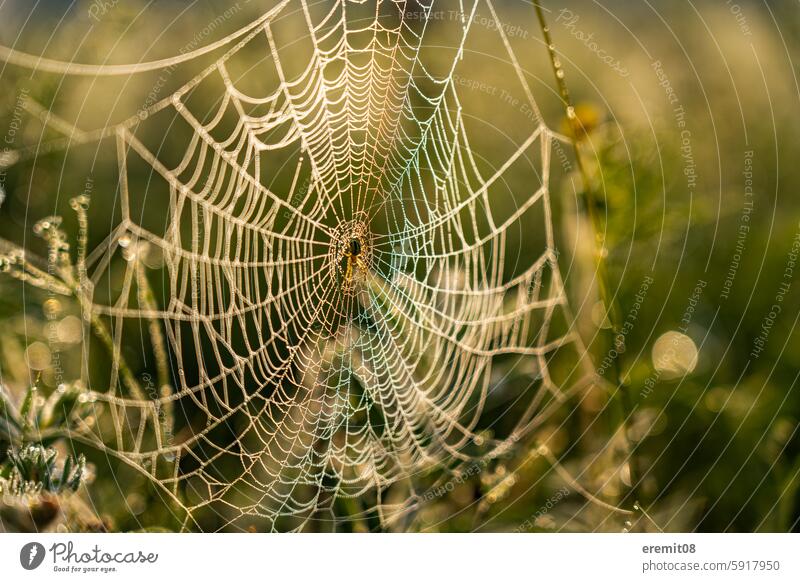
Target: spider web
346,297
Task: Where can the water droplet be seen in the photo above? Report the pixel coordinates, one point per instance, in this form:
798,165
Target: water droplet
674,355
38,356
80,203
47,225
51,308
8,158
70,330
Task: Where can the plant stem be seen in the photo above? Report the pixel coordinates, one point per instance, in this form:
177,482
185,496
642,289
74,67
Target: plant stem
101,331
148,302
617,339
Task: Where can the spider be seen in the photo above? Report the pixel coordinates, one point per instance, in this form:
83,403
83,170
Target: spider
354,259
